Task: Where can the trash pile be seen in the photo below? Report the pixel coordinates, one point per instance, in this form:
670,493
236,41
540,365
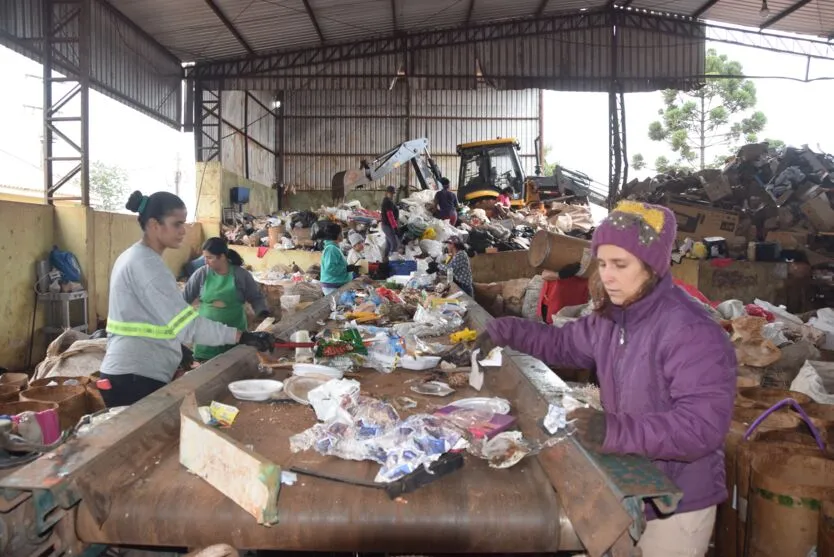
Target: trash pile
415,323
422,233
777,200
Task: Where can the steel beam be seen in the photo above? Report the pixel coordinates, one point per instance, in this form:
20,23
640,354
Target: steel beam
704,7
230,26
66,127
394,21
541,7
673,25
784,13
312,15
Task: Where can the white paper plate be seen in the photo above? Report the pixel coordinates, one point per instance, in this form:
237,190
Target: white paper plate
255,389
495,405
314,370
297,388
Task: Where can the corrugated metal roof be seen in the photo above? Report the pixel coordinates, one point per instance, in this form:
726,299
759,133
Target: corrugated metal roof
192,31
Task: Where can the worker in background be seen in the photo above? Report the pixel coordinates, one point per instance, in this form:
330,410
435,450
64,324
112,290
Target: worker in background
667,372
505,197
458,262
357,248
223,286
389,215
335,271
446,203
561,290
148,317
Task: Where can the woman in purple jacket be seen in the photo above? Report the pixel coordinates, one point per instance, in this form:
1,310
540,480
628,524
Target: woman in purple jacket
666,371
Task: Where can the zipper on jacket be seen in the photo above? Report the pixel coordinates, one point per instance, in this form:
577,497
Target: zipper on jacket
623,331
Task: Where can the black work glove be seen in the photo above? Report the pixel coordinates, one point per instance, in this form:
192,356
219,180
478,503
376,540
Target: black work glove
433,268
590,427
352,268
264,314
569,271
485,343
263,341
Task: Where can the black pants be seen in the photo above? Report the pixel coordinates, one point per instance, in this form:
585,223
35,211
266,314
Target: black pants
126,389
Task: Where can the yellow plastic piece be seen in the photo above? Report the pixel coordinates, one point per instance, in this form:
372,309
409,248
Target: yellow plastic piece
465,335
223,413
699,250
362,316
653,217
429,234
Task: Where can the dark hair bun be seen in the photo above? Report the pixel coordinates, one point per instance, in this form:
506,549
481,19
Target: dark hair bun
134,202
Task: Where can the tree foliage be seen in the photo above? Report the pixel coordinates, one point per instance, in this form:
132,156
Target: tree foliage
720,115
108,186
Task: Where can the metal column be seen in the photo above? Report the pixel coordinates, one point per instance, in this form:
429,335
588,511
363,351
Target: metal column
617,156
207,124
66,130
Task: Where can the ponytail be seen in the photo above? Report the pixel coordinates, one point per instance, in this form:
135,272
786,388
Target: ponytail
234,258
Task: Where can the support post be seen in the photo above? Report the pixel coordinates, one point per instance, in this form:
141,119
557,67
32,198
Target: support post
617,157
246,135
66,130
207,124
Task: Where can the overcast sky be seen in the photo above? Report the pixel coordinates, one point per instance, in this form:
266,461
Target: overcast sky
575,124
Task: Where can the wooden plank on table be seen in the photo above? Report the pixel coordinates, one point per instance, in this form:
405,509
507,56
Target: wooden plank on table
245,477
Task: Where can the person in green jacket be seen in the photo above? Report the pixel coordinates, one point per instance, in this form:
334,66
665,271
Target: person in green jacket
223,286
335,271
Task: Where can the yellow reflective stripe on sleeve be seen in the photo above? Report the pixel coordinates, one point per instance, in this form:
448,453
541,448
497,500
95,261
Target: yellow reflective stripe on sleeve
158,332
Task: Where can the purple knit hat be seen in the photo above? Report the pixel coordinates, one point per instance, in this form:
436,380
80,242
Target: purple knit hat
646,231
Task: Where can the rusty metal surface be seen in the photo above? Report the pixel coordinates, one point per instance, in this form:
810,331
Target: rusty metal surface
474,509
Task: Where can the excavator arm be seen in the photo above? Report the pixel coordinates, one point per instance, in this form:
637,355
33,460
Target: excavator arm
412,151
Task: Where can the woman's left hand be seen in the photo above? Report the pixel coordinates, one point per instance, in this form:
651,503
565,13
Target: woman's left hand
590,427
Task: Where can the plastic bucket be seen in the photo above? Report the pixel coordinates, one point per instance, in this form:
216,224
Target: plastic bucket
745,381
9,393
746,454
825,530
83,381
786,498
726,519
14,378
45,412
765,398
71,401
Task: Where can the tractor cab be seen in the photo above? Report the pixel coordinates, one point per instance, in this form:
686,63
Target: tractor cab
486,168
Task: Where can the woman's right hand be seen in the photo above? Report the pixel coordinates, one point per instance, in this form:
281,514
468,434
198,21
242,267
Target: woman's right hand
484,343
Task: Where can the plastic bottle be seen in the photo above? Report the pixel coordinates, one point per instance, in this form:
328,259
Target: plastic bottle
302,355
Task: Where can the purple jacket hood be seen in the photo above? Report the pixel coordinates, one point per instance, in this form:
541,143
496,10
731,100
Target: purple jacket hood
667,375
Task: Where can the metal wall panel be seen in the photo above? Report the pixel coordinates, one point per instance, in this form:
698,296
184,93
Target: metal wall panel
330,131
125,63
248,146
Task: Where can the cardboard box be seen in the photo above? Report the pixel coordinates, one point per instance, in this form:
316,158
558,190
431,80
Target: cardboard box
718,188
702,221
789,239
302,237
819,212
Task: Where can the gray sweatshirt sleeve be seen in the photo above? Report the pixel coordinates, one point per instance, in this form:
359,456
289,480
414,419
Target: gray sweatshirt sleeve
195,285
248,287
168,306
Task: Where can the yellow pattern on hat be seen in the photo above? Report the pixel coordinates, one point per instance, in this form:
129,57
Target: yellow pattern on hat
652,217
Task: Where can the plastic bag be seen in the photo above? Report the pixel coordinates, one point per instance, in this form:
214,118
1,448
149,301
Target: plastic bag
66,263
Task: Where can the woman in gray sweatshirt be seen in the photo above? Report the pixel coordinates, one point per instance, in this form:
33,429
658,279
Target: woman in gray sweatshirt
148,319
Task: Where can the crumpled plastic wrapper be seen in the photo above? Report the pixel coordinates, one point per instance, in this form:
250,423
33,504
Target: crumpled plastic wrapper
502,451
333,400
431,322
376,434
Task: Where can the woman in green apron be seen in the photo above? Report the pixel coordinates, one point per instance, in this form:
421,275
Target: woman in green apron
223,287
